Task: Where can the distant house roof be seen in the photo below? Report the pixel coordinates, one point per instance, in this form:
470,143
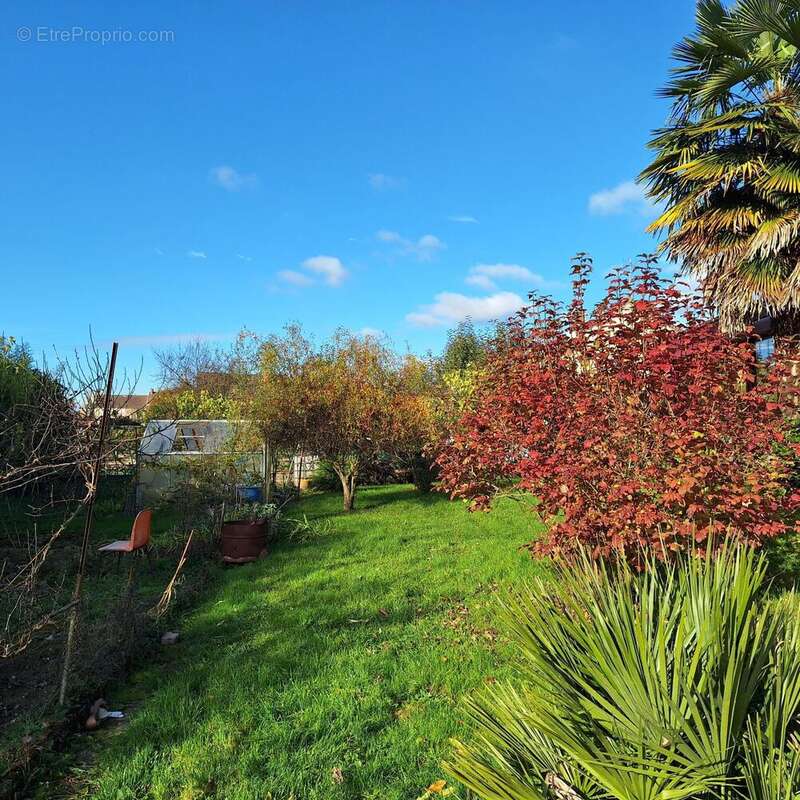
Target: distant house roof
133,402
123,406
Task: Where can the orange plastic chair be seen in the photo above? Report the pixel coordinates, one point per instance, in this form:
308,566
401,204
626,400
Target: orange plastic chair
140,536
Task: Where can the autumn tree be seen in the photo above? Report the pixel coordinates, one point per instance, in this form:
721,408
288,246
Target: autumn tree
415,431
430,394
270,387
635,424
332,401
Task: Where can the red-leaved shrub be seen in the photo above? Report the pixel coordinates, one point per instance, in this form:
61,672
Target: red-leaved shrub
636,425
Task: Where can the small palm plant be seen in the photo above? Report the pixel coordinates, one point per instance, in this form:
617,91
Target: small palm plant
682,681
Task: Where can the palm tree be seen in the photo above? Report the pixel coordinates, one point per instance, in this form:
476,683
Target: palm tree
727,165
679,682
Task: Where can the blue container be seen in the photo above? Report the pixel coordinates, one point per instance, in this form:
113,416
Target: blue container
249,494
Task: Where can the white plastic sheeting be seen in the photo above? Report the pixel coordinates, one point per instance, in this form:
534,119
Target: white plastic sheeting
158,437
164,437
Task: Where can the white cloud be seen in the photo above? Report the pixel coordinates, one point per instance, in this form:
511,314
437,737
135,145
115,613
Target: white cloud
464,219
389,236
197,254
158,251
295,278
451,307
625,197
429,242
329,267
244,258
381,182
169,339
481,281
514,271
231,179
423,319
373,333
424,248
485,275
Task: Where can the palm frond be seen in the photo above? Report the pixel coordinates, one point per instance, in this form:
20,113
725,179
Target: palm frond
734,139
677,682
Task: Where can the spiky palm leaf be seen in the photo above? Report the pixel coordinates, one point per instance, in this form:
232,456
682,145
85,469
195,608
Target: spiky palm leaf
732,145
679,682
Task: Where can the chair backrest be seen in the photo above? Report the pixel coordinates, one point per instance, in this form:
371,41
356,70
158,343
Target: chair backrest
140,533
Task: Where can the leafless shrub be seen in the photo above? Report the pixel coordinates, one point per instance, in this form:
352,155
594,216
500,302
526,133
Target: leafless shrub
49,426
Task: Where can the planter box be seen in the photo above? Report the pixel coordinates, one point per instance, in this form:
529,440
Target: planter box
243,541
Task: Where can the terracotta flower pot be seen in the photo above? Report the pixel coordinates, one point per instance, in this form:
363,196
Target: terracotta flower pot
243,541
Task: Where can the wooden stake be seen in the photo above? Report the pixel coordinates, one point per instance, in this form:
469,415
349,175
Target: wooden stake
267,471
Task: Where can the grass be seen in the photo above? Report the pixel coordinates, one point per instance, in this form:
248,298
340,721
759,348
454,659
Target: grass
332,669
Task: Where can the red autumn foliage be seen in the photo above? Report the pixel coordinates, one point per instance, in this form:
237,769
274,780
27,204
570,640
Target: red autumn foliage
638,425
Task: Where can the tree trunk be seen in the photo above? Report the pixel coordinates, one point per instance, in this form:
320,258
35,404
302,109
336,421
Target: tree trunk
348,489
347,496
423,473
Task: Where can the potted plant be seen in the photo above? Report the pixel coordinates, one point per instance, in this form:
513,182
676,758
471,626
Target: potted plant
244,532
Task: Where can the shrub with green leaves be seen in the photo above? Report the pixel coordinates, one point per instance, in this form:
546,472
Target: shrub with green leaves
252,512
682,681
36,415
305,530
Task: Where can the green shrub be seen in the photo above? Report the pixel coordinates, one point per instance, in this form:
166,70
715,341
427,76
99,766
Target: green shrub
324,478
305,530
682,681
37,416
252,512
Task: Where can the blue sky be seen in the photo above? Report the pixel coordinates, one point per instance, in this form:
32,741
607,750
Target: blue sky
377,165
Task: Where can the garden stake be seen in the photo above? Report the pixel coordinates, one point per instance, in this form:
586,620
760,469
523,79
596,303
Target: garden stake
87,529
160,608
267,455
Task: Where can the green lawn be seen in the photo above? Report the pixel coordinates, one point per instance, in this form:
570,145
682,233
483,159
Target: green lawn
333,668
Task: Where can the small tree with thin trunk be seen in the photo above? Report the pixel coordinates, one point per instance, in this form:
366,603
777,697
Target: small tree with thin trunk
332,401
